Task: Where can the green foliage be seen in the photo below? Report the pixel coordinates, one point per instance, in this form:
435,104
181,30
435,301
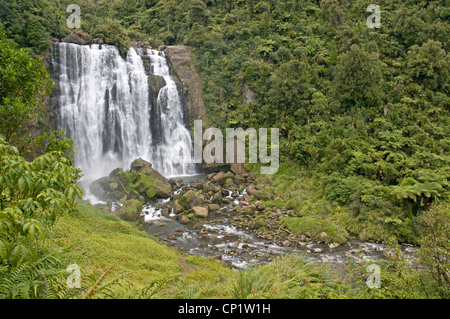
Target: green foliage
33,194
434,249
316,229
288,277
358,78
44,278
429,64
23,84
363,116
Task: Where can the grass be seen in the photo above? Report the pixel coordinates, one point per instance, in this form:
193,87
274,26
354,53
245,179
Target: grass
289,277
145,268
314,228
98,240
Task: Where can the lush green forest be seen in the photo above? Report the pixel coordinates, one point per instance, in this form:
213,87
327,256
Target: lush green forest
363,116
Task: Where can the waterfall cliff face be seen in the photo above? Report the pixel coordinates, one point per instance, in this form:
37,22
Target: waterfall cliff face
107,106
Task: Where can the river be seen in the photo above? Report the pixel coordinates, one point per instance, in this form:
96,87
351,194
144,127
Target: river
239,247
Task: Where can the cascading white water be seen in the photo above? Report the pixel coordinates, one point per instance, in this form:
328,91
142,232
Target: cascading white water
173,156
104,105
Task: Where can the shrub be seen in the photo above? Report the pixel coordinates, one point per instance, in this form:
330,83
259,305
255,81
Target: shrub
315,228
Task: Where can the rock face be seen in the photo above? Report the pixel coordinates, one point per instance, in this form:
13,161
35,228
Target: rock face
180,57
78,37
248,96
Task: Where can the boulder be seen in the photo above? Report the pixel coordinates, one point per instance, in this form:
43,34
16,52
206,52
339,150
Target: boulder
177,207
141,182
155,185
77,37
333,245
260,186
239,179
200,211
191,199
139,164
184,219
217,177
208,187
99,187
213,207
217,197
222,178
130,210
251,190
237,168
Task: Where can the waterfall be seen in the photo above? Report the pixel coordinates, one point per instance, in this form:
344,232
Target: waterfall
104,103
172,155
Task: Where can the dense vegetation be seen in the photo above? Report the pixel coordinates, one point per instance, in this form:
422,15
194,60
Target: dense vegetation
363,113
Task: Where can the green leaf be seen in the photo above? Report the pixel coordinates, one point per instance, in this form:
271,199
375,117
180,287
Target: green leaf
22,184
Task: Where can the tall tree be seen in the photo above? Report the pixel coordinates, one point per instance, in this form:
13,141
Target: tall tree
357,78
24,82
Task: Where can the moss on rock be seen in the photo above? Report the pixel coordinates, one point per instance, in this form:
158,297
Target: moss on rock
130,210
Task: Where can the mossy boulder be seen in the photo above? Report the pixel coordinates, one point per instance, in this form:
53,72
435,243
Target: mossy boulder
141,182
222,178
191,199
149,181
107,188
131,210
177,207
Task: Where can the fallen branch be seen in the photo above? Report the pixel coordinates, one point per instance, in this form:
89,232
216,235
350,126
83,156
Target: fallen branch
91,290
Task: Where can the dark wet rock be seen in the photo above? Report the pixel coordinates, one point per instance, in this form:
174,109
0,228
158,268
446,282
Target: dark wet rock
100,187
165,212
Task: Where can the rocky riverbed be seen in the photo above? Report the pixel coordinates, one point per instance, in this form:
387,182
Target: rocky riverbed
228,233
220,215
